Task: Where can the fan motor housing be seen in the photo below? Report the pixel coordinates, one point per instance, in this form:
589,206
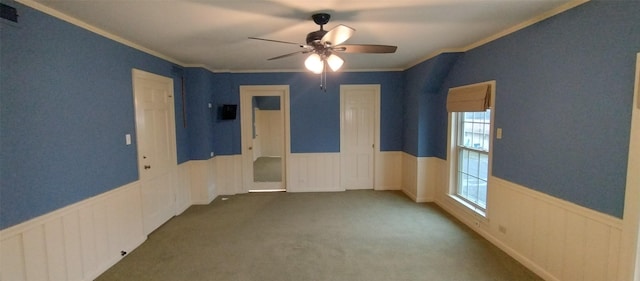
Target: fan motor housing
315,36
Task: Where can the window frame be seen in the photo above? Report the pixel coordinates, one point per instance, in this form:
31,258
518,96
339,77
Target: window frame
453,153
460,148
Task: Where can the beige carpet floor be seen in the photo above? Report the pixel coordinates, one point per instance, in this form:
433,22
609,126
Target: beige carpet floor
353,235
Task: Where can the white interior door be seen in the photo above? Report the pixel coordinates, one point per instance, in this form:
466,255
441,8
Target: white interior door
264,121
155,129
358,135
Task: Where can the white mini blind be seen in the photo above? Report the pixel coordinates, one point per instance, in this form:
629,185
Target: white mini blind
472,98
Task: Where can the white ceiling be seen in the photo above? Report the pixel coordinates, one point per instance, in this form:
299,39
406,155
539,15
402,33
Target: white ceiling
213,33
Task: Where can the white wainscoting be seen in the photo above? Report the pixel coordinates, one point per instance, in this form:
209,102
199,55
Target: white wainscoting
228,174
306,172
313,172
77,242
419,177
203,184
554,238
320,172
220,175
82,240
388,170
158,200
183,188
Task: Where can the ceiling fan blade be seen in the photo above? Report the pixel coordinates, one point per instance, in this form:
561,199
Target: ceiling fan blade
289,54
337,35
278,41
365,48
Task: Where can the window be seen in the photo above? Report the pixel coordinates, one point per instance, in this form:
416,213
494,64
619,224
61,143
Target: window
472,139
471,110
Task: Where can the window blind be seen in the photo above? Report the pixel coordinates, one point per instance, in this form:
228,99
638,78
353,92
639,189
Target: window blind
472,98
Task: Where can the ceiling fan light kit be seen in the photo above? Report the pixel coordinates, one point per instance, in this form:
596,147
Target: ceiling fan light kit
323,45
335,62
314,63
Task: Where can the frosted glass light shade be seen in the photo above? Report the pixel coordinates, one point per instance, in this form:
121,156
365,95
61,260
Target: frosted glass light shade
314,63
335,62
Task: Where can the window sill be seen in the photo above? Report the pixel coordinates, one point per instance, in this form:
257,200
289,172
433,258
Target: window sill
474,209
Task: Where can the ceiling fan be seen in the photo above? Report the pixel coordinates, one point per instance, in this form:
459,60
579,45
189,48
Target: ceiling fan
324,44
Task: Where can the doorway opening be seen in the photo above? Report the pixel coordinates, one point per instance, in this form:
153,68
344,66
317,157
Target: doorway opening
265,127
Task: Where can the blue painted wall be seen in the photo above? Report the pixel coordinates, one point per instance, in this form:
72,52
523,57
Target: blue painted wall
226,140
564,90
65,106
421,121
199,88
564,94
315,114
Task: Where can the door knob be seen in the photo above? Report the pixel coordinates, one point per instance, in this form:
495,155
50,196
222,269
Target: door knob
147,167
250,148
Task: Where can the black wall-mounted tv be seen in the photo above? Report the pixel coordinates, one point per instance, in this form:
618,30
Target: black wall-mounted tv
229,111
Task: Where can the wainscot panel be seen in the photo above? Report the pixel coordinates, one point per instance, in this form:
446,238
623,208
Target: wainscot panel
77,242
388,170
554,238
183,187
227,174
203,184
419,177
313,172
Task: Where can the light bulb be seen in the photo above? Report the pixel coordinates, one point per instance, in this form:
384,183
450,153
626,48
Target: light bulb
335,62
314,63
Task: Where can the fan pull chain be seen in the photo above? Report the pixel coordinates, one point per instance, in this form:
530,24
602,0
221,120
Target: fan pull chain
321,81
323,77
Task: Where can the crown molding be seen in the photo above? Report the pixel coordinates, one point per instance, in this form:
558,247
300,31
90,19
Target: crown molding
503,33
527,23
435,54
67,18
62,16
